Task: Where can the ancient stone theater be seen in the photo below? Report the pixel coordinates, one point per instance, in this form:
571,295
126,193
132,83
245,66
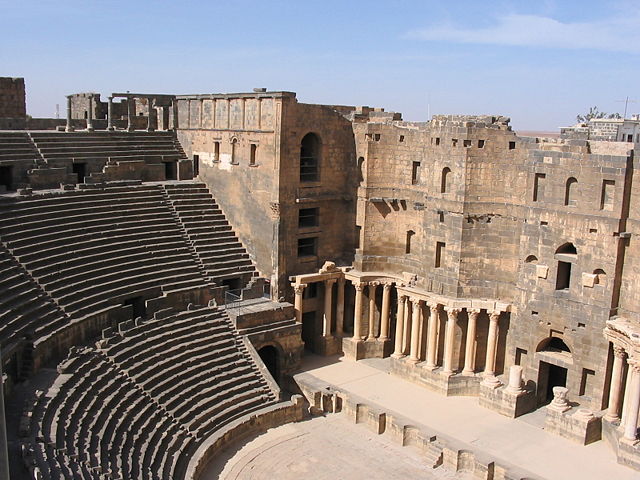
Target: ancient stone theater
170,262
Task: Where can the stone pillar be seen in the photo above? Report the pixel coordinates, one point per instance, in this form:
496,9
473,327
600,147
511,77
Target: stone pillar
415,330
130,127
492,343
613,412
110,126
90,115
328,307
298,289
631,422
432,336
559,402
150,118
340,308
399,326
470,347
372,310
4,445
384,321
515,379
174,107
69,127
406,331
452,318
357,314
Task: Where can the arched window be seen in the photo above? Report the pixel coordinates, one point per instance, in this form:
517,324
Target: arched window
601,277
444,185
566,255
234,148
570,191
531,259
310,158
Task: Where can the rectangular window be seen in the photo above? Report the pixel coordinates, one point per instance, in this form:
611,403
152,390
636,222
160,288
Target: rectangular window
454,142
563,279
537,186
606,197
358,236
480,143
216,151
407,245
440,246
521,355
376,137
307,247
252,156
512,145
311,291
308,217
585,383
466,143
401,139
437,141
415,173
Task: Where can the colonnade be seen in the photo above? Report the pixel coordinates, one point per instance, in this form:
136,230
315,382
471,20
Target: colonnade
628,417
417,324
410,325
110,117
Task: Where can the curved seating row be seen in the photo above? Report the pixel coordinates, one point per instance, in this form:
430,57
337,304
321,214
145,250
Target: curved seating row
140,406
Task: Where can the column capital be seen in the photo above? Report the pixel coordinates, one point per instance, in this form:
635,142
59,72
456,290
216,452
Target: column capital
330,281
434,307
494,315
452,311
374,283
359,286
634,363
299,287
387,286
619,351
415,301
473,312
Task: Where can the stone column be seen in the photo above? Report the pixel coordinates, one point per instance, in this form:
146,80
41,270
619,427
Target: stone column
69,127
372,310
432,336
340,308
110,126
613,412
415,330
90,115
130,114
406,331
470,347
452,318
631,422
399,326
492,342
328,307
298,289
357,314
174,107
384,321
150,118
515,379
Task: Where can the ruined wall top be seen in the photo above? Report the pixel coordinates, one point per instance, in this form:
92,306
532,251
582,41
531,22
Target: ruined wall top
486,121
12,98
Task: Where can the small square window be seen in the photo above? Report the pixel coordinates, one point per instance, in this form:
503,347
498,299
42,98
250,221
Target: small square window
376,137
308,217
401,139
437,141
454,142
466,143
307,247
481,143
512,145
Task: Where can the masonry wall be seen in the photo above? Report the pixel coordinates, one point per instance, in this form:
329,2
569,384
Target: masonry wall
12,98
219,130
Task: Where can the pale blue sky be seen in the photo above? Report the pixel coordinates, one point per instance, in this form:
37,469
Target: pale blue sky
539,62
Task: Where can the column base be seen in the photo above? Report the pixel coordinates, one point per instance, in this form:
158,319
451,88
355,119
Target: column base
355,349
69,129
433,379
90,129
510,405
468,373
151,130
491,381
329,345
111,129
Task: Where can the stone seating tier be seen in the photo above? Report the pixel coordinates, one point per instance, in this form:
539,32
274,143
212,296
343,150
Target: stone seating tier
98,419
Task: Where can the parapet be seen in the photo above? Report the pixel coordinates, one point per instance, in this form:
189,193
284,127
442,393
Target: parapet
490,121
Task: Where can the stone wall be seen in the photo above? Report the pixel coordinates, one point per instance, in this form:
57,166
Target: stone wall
12,98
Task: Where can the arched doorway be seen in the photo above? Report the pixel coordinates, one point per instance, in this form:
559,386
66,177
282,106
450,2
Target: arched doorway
269,356
555,358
